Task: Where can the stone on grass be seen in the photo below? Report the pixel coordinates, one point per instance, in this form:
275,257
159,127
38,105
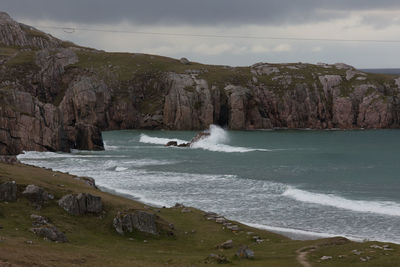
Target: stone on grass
137,220
36,194
38,220
184,61
50,232
226,245
245,252
81,204
324,258
8,191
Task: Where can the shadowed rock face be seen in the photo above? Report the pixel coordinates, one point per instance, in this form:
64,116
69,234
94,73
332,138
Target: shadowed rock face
56,96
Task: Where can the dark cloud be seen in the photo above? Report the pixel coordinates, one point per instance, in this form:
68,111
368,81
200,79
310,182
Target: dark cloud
190,12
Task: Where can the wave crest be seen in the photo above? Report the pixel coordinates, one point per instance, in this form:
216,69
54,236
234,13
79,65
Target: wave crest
378,207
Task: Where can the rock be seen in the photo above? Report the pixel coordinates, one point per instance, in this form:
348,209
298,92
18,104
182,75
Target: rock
245,252
356,252
9,159
38,220
172,143
324,258
186,210
51,233
136,220
233,228
184,61
226,245
8,191
220,259
179,205
220,220
36,194
184,145
81,204
88,180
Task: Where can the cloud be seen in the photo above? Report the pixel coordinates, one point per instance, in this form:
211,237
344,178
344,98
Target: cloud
192,12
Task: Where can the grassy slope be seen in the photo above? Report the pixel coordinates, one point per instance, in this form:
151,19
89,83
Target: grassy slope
93,242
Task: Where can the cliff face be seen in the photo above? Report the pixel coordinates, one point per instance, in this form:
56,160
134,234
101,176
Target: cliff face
57,96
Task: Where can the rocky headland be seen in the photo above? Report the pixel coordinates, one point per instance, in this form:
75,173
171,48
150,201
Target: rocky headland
55,95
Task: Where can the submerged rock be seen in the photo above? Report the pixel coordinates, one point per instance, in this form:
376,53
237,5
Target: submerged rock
81,204
8,191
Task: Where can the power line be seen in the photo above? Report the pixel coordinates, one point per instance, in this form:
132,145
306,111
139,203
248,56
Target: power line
74,29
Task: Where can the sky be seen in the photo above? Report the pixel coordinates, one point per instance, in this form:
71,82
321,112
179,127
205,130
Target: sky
226,32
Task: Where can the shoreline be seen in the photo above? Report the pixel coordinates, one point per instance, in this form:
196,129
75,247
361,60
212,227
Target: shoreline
293,234
196,239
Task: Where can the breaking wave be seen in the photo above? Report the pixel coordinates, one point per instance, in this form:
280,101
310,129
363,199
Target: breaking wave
378,207
216,142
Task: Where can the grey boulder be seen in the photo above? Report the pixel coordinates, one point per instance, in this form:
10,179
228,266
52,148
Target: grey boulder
80,204
36,194
245,252
137,220
50,232
8,191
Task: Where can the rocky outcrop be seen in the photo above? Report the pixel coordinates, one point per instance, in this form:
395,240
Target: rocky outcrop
56,96
136,221
43,228
8,191
37,195
13,33
81,204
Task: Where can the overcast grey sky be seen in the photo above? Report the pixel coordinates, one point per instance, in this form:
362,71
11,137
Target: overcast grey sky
332,19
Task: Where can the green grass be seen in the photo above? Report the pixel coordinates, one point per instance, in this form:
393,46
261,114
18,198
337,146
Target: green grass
93,241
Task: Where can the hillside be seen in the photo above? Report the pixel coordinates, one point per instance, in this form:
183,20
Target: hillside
192,239
56,95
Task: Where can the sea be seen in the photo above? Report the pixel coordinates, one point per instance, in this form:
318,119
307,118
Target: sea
305,184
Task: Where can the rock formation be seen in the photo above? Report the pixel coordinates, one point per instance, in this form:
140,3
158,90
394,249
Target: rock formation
81,204
8,191
137,220
55,95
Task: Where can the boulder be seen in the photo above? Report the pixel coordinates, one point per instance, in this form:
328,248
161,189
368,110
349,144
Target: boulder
245,252
184,61
80,204
172,143
226,245
38,220
136,220
36,194
43,228
220,259
8,191
50,232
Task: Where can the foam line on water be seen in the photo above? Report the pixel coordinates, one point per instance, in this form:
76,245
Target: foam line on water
378,207
158,140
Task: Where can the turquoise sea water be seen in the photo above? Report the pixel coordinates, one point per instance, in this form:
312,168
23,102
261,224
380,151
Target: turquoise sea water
313,183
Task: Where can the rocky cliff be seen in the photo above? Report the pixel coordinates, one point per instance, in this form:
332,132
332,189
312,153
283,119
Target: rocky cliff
56,95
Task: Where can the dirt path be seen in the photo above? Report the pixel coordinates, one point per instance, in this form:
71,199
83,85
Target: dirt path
302,255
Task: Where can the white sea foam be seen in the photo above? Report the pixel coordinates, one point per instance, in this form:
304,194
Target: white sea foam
216,142
109,147
120,169
158,140
378,207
